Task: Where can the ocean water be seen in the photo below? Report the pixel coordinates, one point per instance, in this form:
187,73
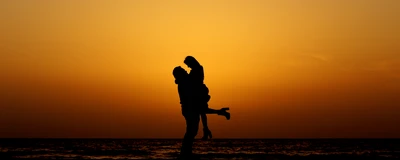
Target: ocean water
274,149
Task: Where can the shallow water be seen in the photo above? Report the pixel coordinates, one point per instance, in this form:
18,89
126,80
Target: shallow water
212,149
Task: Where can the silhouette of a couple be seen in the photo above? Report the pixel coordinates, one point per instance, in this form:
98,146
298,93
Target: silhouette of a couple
194,97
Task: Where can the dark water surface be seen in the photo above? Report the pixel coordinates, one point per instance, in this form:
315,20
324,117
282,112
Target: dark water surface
274,149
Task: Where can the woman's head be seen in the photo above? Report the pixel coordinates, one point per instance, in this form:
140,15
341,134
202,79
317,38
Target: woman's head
179,73
191,62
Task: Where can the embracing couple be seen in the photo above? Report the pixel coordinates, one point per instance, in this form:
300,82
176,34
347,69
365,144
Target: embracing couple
194,97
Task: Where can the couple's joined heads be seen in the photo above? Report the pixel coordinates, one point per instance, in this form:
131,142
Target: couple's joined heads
179,72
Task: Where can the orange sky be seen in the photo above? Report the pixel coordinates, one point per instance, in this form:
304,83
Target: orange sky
287,69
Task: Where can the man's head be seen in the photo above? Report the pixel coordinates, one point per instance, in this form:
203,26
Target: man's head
191,62
179,73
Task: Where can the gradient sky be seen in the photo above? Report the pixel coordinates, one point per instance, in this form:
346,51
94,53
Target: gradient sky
287,68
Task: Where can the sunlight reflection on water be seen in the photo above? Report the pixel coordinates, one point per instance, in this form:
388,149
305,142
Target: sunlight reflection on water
169,149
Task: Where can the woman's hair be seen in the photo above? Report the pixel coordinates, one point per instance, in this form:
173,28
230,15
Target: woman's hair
191,61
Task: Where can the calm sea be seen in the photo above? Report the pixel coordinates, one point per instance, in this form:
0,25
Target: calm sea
276,149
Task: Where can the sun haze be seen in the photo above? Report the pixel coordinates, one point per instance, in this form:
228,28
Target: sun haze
287,69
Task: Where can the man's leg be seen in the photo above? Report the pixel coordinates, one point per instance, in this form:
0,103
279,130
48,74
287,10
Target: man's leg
192,127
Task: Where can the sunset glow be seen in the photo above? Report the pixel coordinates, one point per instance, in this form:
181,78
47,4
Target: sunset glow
287,69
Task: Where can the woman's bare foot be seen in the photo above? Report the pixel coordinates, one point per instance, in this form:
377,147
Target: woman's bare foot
223,112
227,115
206,134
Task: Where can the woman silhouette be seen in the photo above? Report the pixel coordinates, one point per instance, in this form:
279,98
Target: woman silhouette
191,109
196,78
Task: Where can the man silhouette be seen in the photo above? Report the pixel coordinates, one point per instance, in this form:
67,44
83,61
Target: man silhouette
189,110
